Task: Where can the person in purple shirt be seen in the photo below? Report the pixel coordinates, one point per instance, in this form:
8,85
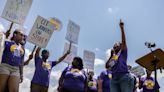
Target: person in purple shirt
148,83
121,81
13,56
92,82
104,80
73,78
43,67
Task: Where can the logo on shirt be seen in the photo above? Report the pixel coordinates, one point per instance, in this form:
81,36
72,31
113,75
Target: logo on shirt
149,84
16,50
110,76
91,83
115,57
46,66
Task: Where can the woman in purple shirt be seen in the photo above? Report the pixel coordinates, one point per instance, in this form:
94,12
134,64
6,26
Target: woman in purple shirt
148,83
13,56
73,78
43,67
121,81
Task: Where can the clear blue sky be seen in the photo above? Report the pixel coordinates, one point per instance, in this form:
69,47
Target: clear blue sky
99,22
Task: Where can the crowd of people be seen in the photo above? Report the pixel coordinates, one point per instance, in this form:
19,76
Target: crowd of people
115,78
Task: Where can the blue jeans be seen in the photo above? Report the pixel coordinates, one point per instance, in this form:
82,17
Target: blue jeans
122,83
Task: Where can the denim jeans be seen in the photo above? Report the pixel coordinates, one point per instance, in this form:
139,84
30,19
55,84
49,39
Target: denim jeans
122,83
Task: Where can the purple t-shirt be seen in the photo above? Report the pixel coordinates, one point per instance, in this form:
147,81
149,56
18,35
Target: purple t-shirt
13,54
92,85
42,74
74,79
106,77
121,64
148,84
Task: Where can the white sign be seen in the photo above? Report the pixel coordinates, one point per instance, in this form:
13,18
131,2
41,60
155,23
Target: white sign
57,24
138,71
89,58
41,32
16,10
2,40
73,53
72,32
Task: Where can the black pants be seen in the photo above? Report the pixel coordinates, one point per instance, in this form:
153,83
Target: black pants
38,88
65,90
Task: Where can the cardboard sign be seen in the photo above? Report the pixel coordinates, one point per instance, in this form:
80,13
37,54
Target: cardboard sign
57,24
72,32
16,10
89,58
2,40
138,71
41,32
73,53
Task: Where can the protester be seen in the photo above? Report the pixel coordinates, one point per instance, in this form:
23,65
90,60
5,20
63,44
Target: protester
136,84
148,83
12,58
121,80
73,78
92,82
104,80
43,67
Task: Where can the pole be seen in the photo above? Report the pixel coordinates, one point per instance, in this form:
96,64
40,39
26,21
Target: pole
9,30
154,63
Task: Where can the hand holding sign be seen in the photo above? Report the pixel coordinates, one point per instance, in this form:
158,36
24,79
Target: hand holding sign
73,52
69,50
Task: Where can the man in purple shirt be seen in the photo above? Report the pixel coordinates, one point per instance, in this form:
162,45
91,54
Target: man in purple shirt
148,83
43,67
121,81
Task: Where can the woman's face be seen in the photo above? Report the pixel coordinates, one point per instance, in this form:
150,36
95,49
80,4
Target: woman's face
117,47
19,37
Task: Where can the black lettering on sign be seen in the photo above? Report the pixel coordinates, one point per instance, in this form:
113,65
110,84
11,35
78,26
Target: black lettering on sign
44,22
38,38
43,28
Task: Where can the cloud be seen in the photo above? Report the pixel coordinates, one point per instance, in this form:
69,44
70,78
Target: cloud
25,86
97,49
110,10
56,74
99,62
27,53
108,53
28,74
102,62
113,10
